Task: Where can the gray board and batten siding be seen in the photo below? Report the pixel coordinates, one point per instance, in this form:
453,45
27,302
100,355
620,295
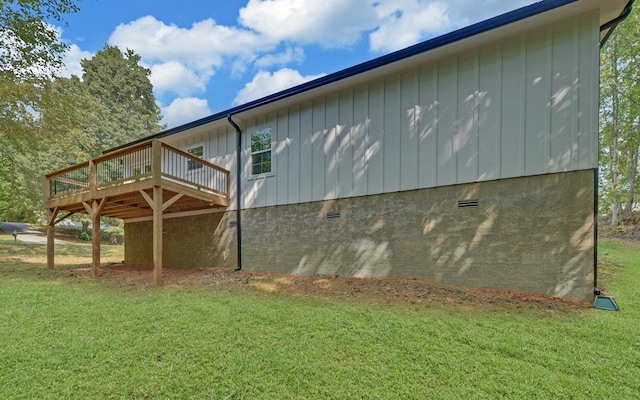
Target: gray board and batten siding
521,107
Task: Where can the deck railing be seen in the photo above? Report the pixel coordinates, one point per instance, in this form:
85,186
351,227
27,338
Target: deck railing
69,181
147,160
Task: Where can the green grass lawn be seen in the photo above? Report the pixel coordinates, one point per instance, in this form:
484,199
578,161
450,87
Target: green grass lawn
64,335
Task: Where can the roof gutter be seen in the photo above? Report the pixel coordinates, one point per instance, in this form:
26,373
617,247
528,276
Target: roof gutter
611,25
238,191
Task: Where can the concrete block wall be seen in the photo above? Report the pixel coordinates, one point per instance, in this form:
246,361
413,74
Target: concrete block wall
532,234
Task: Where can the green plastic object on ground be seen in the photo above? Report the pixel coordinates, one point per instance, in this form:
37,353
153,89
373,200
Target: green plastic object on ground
605,303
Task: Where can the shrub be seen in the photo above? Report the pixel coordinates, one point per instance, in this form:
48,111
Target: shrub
84,235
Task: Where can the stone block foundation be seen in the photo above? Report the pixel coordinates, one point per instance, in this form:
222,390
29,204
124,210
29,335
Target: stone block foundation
533,234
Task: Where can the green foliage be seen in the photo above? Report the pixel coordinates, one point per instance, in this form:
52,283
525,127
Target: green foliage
122,92
84,235
620,119
20,190
118,230
64,333
107,112
113,104
50,123
31,47
31,51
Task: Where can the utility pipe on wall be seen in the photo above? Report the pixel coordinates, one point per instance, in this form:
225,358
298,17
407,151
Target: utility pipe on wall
238,181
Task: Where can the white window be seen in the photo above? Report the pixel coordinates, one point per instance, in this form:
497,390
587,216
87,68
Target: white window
261,151
197,151
142,170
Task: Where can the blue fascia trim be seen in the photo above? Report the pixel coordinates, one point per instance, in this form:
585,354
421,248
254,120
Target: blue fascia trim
440,41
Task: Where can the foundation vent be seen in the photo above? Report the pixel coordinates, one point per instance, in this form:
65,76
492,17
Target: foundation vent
333,215
473,203
233,224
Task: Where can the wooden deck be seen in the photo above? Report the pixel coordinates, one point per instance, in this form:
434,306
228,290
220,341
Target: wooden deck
150,179
125,179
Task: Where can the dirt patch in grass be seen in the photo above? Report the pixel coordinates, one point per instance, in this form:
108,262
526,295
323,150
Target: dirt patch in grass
398,291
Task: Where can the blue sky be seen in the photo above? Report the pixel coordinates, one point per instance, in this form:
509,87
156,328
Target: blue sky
207,56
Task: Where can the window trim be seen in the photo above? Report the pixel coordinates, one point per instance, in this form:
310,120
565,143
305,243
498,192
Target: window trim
199,167
262,151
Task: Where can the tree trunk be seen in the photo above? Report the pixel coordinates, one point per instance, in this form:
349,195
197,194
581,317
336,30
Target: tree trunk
615,167
633,177
615,203
615,162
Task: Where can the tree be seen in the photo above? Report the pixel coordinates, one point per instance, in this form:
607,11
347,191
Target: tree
620,120
112,104
30,53
121,86
30,46
71,120
71,135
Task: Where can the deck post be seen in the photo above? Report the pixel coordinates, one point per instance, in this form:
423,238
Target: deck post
93,178
156,169
94,210
157,236
95,236
156,162
51,234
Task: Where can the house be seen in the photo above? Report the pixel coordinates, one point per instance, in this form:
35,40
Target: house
470,158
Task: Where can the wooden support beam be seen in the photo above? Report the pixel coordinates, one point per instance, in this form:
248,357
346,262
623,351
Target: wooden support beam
102,203
147,198
172,200
52,214
96,207
63,218
88,207
165,205
94,211
51,235
157,236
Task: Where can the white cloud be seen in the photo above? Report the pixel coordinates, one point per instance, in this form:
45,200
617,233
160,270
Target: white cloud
72,59
183,110
329,23
190,55
405,23
291,55
266,83
178,78
390,24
